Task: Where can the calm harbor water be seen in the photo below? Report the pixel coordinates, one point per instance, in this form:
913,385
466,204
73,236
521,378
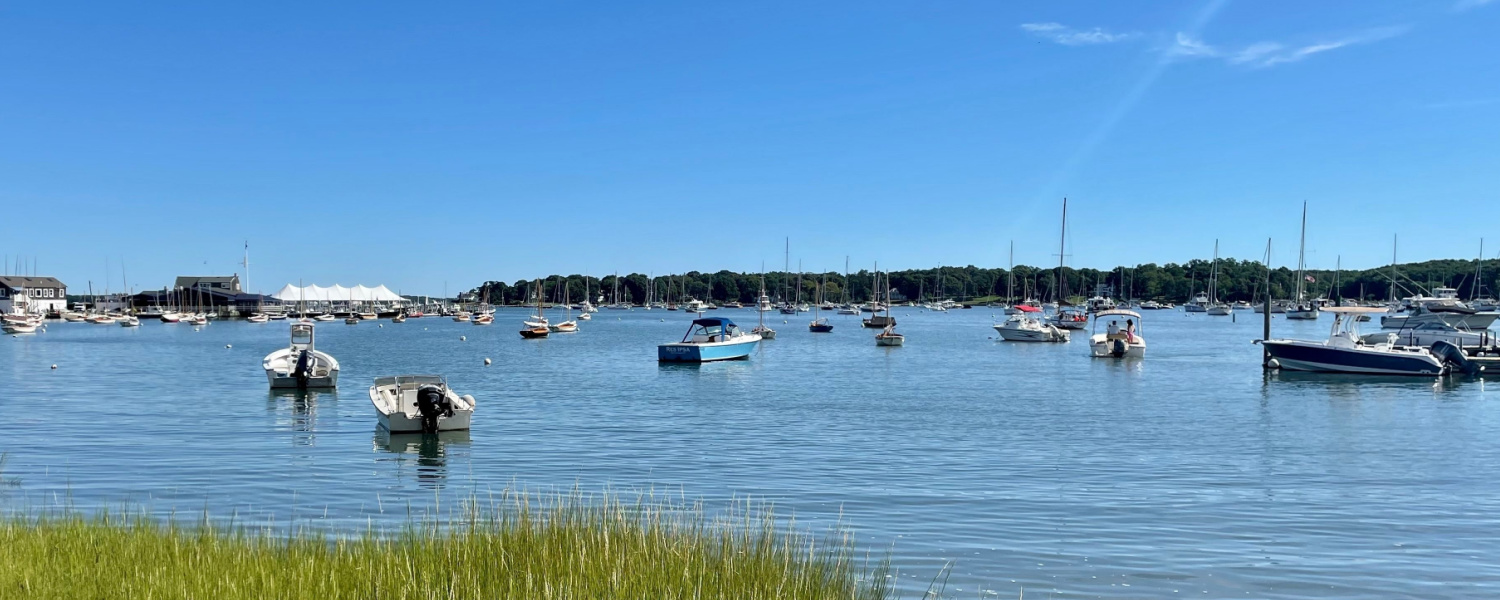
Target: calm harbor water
1190,473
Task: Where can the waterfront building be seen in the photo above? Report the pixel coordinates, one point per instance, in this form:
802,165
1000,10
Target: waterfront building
35,294
223,284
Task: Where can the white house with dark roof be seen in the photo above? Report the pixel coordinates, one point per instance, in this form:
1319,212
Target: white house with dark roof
33,294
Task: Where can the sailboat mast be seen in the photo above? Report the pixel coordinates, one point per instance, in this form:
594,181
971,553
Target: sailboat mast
1062,249
1213,276
1394,239
1473,294
1301,250
1010,284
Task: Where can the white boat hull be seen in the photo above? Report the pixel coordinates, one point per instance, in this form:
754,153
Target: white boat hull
281,366
397,411
1100,346
1045,334
403,423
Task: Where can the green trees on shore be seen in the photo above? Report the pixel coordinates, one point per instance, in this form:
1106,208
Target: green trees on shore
1171,282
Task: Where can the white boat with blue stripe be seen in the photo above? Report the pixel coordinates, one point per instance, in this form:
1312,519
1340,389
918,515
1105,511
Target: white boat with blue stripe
708,340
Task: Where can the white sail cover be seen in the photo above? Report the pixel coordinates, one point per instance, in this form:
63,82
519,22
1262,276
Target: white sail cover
336,293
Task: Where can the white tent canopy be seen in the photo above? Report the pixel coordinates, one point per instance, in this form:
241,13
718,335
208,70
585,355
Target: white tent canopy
336,293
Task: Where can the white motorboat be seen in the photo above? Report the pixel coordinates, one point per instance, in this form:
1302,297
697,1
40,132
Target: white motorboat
1026,328
1122,337
1101,303
258,318
1429,333
1199,303
563,327
461,317
1456,315
583,316
300,365
1303,311
482,319
129,321
325,317
420,403
1345,352
1070,318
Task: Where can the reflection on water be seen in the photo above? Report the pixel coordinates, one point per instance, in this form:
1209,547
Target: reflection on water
432,451
297,411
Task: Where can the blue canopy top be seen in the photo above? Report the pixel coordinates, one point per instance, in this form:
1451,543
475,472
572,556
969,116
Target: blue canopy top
713,321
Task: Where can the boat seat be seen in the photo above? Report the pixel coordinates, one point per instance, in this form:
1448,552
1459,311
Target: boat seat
701,339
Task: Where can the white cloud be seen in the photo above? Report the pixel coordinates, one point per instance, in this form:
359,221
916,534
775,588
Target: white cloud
1268,54
1069,36
1187,46
1463,5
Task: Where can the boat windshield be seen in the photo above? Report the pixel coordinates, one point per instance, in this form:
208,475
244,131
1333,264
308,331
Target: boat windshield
302,334
711,330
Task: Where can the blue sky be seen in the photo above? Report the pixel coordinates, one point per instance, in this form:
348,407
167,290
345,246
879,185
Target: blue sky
419,145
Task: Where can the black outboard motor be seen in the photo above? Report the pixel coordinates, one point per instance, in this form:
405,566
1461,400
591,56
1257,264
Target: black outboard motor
1118,349
431,404
304,369
1455,357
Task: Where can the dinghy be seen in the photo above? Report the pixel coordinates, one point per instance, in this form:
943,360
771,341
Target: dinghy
420,403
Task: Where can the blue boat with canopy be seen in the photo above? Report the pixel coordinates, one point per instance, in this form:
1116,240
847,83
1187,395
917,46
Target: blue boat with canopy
710,339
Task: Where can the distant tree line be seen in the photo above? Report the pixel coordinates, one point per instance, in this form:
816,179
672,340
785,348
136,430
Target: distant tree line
1172,282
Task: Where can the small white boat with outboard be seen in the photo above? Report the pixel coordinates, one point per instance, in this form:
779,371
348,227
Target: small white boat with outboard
300,365
420,403
1121,338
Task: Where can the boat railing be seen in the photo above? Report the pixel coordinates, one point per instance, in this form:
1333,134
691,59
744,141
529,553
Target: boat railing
412,381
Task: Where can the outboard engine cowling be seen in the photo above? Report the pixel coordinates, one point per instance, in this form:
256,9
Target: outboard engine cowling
432,403
304,368
1118,349
1454,357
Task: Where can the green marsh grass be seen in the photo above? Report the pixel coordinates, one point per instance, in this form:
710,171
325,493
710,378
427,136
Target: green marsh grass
519,546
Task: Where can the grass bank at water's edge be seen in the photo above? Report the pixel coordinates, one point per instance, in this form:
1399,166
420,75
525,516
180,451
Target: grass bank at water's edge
521,547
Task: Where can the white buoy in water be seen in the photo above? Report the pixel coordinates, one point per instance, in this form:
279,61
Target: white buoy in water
486,361
228,346
382,325
463,338
1274,364
54,367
